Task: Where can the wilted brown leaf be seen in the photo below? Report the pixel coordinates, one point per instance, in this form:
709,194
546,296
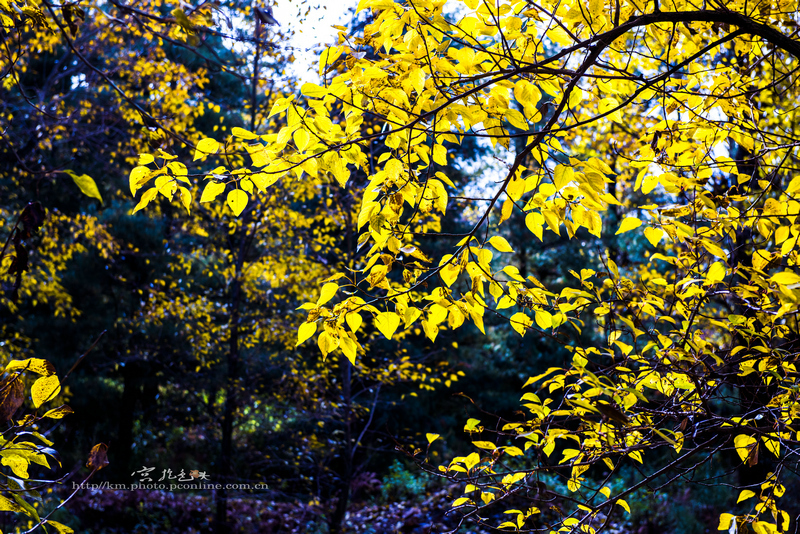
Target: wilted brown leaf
98,458
12,393
752,457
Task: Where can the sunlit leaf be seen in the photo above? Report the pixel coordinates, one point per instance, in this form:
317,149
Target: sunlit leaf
628,224
237,201
86,184
305,331
387,323
45,389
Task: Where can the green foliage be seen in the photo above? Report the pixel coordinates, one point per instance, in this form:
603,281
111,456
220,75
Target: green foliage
401,484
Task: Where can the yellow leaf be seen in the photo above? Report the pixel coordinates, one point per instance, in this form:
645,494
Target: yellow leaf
280,105
569,454
608,104
678,442
520,322
136,175
205,147
417,79
506,210
765,527
353,320
744,495
45,389
387,323
327,58
624,505
186,198
432,437
794,185
18,464
440,154
716,273
166,185
654,235
305,331
773,445
516,188
37,365
58,413
488,445
516,119
313,90
431,330
439,194
725,521
628,224
513,451
472,460
86,184
243,134
62,529
761,259
374,72
535,221
437,314
264,180
715,250
594,223
773,207
327,293
349,348
212,191
786,278
543,319
147,196
473,425
411,315
449,273
562,176
744,444
7,505
500,244
237,200
327,343
301,138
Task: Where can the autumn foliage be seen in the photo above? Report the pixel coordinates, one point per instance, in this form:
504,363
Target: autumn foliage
657,138
672,120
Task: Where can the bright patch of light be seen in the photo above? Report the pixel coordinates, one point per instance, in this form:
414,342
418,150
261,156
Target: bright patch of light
312,32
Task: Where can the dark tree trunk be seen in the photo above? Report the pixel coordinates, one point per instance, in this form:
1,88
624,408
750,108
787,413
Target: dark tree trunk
343,500
131,392
240,245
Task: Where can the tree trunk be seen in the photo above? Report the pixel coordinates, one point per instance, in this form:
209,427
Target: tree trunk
221,525
343,500
132,380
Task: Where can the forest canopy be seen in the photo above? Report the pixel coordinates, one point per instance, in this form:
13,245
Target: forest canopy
632,219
